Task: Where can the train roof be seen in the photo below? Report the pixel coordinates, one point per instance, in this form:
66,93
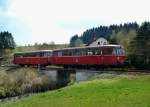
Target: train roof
88,47
37,51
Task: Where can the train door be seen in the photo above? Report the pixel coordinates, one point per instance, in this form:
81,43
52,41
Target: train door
45,58
99,55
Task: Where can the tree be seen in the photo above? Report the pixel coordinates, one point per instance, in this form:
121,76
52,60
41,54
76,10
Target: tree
126,39
72,40
113,39
6,41
140,51
43,46
52,45
107,32
123,39
78,43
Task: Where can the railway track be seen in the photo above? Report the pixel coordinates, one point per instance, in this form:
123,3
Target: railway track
100,70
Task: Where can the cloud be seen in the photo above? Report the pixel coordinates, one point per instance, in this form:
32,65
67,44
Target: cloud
43,18
57,20
13,23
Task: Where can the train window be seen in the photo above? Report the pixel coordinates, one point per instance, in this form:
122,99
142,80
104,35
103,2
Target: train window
67,53
73,53
46,54
98,52
64,53
114,51
83,52
70,53
41,54
26,55
49,54
59,54
94,51
19,55
107,51
37,54
119,51
55,53
89,52
31,54
77,52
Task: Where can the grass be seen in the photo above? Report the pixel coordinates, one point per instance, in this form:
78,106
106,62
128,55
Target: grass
22,80
124,91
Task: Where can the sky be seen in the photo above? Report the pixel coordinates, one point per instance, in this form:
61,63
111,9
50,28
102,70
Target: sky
40,21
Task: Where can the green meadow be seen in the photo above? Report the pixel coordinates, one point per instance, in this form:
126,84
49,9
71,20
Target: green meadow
121,91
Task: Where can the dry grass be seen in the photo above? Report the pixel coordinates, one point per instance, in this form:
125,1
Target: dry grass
22,80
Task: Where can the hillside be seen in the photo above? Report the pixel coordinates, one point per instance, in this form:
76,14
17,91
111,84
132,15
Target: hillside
122,91
106,32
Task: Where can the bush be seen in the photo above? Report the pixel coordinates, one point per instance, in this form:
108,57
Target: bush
23,80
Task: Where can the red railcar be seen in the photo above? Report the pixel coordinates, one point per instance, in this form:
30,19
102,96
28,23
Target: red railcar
101,55
41,57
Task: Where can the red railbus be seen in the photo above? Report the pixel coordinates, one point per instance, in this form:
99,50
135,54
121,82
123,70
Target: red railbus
107,55
101,55
41,57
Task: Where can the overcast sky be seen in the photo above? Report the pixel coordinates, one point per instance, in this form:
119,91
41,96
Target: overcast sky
41,21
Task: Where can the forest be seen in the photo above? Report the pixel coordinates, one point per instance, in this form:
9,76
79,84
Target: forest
107,32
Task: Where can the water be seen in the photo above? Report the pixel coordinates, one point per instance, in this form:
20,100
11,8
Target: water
65,76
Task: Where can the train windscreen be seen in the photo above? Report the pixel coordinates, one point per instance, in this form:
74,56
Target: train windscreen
119,51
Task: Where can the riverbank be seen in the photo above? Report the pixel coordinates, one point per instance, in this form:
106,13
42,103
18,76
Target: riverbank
121,91
21,81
